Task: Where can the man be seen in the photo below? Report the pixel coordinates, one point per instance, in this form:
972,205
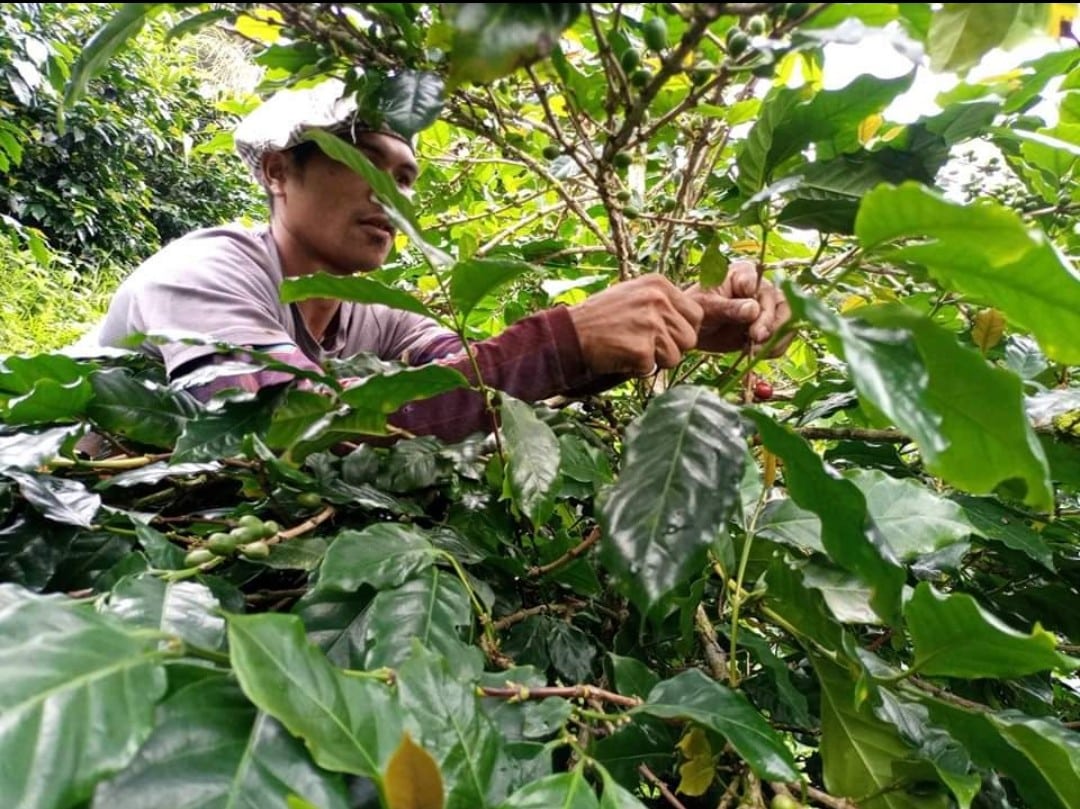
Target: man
224,283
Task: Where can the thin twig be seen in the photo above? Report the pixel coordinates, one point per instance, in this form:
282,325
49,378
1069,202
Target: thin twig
303,528
654,779
853,433
508,621
520,693
714,655
572,554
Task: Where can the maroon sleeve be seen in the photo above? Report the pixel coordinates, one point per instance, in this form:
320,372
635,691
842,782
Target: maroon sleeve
536,358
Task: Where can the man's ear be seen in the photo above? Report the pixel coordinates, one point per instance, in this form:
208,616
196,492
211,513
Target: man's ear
275,171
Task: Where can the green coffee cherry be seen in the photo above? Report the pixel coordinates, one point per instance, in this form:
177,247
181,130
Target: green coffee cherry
795,11
309,500
199,556
242,534
270,529
701,74
630,212
737,43
623,196
222,544
551,151
630,60
655,34
255,550
641,77
621,160
250,521
756,25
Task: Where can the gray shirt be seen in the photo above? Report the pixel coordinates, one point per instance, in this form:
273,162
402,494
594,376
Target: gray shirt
224,283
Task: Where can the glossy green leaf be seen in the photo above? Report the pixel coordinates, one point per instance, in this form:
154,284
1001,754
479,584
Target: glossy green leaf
382,555
848,534
143,412
306,553
860,752
77,699
335,623
161,553
646,741
58,499
213,435
631,677
299,412
934,745
182,608
125,24
1040,756
912,519
986,251
792,119
379,396
994,521
29,450
567,790
491,40
679,482
962,33
615,796
350,288
777,672
433,608
213,749
966,416
442,713
533,459
349,724
955,637
50,401
410,101
157,472
475,278
571,651
20,375
694,697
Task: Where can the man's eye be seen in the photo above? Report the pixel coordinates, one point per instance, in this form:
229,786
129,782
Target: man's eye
405,183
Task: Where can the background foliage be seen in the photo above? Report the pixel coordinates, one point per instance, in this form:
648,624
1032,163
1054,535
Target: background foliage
843,578
86,196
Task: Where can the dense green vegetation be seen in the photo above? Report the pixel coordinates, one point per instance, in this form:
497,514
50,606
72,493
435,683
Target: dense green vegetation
85,197
848,577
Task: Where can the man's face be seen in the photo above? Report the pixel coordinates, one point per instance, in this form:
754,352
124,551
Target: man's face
328,209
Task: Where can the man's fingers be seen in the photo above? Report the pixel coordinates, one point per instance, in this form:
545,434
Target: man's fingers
668,353
766,322
741,281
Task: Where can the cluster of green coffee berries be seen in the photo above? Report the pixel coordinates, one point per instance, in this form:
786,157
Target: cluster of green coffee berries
248,539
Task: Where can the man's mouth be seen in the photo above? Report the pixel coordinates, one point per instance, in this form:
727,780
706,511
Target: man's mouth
381,224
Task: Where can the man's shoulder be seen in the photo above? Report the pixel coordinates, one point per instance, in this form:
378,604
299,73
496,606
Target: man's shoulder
233,241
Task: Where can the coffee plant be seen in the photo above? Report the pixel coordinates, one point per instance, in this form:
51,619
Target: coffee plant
847,577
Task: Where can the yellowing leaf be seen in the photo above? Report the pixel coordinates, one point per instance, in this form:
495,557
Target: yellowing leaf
988,328
852,302
1061,16
697,772
747,246
265,27
427,283
412,779
869,127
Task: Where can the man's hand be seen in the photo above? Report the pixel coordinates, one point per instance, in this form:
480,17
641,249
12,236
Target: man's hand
636,326
740,311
